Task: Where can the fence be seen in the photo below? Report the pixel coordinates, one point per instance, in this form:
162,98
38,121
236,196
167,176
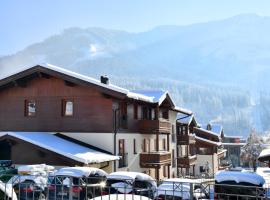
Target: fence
30,187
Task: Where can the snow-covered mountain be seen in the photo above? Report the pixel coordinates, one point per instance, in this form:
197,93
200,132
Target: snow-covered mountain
218,69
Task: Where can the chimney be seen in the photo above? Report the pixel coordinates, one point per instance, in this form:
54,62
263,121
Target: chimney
104,80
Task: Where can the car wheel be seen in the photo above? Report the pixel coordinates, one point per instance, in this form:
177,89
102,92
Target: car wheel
42,197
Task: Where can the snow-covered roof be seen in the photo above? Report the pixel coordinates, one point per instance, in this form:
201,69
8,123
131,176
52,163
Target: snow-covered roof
207,131
264,155
148,96
183,110
239,177
130,176
156,96
184,118
208,141
232,144
63,147
233,136
72,74
80,172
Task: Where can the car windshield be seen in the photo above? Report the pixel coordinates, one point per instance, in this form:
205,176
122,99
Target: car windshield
228,187
140,184
110,182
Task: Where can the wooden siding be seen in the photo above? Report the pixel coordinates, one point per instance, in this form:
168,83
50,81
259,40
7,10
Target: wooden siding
92,109
25,153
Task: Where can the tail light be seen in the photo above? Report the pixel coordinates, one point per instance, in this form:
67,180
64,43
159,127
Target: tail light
103,193
76,189
27,190
51,188
159,198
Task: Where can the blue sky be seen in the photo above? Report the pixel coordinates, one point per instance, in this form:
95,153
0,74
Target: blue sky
25,22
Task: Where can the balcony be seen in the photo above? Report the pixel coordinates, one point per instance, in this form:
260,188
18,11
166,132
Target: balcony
186,162
147,126
185,139
155,159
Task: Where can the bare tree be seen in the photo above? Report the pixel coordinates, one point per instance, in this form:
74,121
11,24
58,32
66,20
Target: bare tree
252,149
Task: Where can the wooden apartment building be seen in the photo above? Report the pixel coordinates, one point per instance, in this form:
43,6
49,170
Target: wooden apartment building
140,128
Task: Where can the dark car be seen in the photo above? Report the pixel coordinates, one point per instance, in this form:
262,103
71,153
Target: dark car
6,170
79,182
29,190
130,183
29,187
239,185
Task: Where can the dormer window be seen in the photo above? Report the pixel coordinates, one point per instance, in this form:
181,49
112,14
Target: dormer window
67,108
30,108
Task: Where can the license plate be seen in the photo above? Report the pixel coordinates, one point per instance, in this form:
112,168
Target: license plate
62,193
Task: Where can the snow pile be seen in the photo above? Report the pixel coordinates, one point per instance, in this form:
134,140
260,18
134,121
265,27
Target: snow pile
8,190
40,180
41,169
80,172
239,177
131,176
265,154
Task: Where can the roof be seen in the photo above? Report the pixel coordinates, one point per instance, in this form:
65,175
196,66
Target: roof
147,96
215,128
208,141
183,110
239,177
80,172
63,147
206,131
184,118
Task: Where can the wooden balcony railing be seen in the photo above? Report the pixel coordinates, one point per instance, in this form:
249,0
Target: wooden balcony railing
155,159
185,139
154,126
186,162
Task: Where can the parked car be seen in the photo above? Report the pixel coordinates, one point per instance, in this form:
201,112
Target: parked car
6,170
31,181
121,197
130,183
239,185
180,189
79,182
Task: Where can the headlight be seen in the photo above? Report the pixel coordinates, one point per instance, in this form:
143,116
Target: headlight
102,184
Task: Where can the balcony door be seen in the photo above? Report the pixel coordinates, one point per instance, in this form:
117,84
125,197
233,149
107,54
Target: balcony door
123,162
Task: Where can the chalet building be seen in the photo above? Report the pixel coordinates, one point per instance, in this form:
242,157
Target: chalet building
93,117
233,145
198,149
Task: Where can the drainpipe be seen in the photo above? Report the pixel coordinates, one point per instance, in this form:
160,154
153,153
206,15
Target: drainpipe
114,135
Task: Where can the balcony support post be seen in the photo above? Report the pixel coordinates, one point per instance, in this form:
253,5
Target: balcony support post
157,141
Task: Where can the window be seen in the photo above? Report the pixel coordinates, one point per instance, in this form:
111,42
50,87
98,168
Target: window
134,146
123,162
30,108
173,159
164,143
135,111
67,108
165,171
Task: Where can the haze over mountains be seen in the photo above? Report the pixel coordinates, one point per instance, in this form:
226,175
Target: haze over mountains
217,69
